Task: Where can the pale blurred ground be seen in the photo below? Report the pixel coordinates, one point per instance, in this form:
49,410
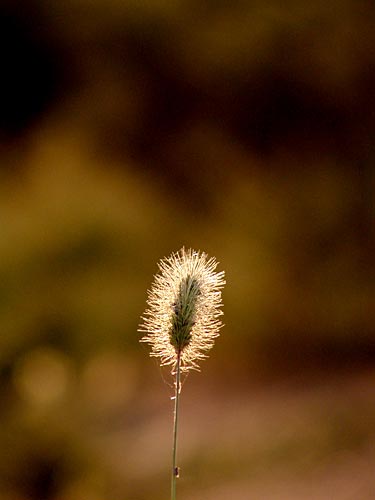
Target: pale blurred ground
244,129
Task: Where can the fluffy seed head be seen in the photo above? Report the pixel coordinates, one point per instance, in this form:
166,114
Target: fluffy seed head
183,315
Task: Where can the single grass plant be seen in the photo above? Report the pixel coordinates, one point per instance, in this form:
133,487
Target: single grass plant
183,320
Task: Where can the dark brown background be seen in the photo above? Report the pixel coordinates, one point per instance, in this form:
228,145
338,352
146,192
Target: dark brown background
244,129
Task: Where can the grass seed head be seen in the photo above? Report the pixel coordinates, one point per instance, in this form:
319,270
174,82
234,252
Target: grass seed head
183,315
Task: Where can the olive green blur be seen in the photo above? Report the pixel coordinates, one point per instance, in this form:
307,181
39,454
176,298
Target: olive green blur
244,129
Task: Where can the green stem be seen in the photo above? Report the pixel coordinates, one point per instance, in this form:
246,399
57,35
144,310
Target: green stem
175,422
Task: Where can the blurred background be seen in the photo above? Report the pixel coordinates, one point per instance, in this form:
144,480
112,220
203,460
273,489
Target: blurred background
245,129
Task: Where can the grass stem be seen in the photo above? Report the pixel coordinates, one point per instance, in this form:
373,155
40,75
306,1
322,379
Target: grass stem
175,423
